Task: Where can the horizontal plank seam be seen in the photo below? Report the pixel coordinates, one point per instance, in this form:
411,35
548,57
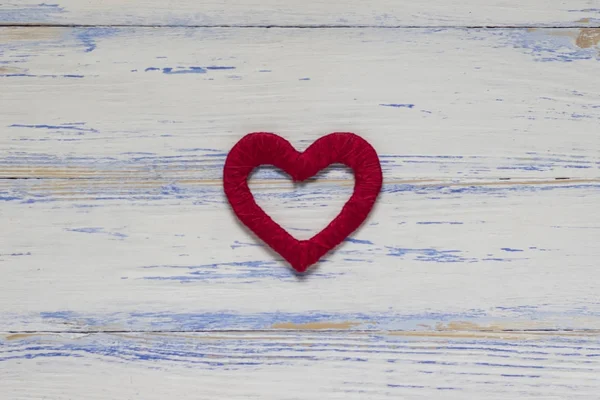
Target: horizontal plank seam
357,331
269,26
491,181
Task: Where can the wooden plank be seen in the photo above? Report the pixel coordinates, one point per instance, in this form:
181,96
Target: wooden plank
113,142
308,13
299,366
421,92
180,262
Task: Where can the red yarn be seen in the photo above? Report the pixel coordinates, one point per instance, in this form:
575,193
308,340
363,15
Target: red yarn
260,148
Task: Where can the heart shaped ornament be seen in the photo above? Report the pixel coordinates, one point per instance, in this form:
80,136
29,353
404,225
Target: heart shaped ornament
262,148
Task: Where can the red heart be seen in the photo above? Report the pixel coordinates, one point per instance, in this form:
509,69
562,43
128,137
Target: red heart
261,148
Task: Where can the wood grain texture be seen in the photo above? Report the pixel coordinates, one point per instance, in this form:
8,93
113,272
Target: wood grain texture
298,366
123,273
114,218
307,13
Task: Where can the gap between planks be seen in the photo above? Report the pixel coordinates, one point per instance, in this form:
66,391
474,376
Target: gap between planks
342,182
306,26
508,334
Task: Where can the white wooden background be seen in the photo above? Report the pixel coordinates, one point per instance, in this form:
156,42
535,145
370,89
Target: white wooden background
124,275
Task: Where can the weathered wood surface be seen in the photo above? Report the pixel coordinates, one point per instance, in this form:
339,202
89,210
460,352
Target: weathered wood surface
123,273
299,366
304,13
117,137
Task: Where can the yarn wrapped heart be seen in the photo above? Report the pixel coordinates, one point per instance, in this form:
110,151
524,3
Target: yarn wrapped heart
262,148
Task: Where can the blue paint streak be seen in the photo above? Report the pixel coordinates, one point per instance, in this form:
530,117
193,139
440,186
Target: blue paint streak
89,36
430,255
438,223
398,105
359,241
539,167
236,244
227,319
545,48
587,10
422,156
188,70
57,315
219,68
42,12
40,76
247,271
406,386
96,230
304,79
171,189
197,149
392,319
485,364
41,355
509,249
54,127
87,230
503,191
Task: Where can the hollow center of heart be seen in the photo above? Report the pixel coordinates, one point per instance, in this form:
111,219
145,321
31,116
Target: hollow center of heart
303,209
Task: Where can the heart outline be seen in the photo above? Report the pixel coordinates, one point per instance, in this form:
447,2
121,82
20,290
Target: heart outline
265,148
